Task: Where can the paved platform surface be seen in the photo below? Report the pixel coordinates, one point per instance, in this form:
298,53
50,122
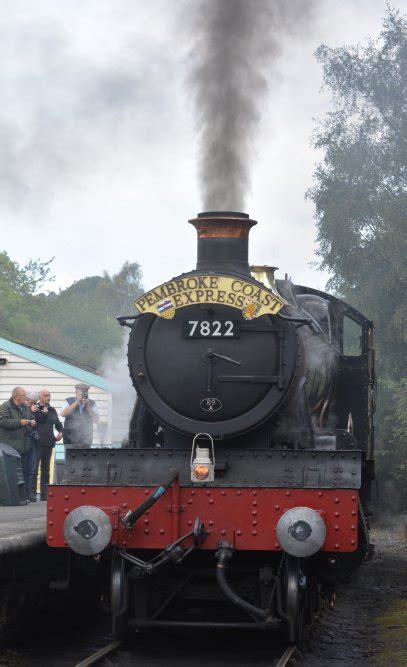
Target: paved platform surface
22,527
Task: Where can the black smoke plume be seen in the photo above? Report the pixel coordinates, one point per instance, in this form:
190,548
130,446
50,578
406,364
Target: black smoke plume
234,56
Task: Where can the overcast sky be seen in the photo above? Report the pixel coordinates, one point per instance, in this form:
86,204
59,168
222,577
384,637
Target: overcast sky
98,152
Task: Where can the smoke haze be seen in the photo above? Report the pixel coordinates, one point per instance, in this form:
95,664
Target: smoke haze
114,368
234,59
97,134
62,113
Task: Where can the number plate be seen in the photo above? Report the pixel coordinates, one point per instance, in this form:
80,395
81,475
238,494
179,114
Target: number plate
212,329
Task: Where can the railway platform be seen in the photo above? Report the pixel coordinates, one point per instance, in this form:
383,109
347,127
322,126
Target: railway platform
22,527
25,565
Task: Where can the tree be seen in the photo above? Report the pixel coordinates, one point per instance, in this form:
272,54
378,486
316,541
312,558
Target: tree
392,459
86,314
17,303
79,322
125,286
27,279
360,193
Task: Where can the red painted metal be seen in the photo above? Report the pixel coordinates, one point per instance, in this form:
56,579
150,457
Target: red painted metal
245,517
175,510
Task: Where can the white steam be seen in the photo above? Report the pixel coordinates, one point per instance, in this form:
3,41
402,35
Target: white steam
114,368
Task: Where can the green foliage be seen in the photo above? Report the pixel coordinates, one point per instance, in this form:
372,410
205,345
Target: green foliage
17,285
24,279
123,287
360,199
79,322
392,458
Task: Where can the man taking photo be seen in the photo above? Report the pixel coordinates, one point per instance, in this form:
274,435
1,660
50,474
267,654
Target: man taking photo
80,414
47,440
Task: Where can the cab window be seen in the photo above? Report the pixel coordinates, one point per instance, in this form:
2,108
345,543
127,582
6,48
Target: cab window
352,337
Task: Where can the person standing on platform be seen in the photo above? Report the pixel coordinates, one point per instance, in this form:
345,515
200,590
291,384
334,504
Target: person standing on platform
16,421
34,452
47,439
80,414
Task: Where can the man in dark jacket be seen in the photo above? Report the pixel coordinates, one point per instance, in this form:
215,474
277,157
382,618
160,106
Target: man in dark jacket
31,402
16,422
80,413
47,440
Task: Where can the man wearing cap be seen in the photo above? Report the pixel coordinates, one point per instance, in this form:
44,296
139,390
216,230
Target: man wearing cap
80,413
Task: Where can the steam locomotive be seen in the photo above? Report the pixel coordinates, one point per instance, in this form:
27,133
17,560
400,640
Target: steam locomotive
242,496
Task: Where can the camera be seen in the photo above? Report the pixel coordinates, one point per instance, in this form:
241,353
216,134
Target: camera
41,407
85,394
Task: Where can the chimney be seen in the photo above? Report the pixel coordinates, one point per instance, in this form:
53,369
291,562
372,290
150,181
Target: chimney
223,241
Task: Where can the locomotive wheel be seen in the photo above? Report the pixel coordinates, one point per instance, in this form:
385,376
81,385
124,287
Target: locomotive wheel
294,587
312,597
118,597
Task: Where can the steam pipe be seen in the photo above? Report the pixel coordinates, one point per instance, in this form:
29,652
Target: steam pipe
131,518
223,556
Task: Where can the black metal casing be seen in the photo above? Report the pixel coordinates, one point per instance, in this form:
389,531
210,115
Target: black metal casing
285,379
